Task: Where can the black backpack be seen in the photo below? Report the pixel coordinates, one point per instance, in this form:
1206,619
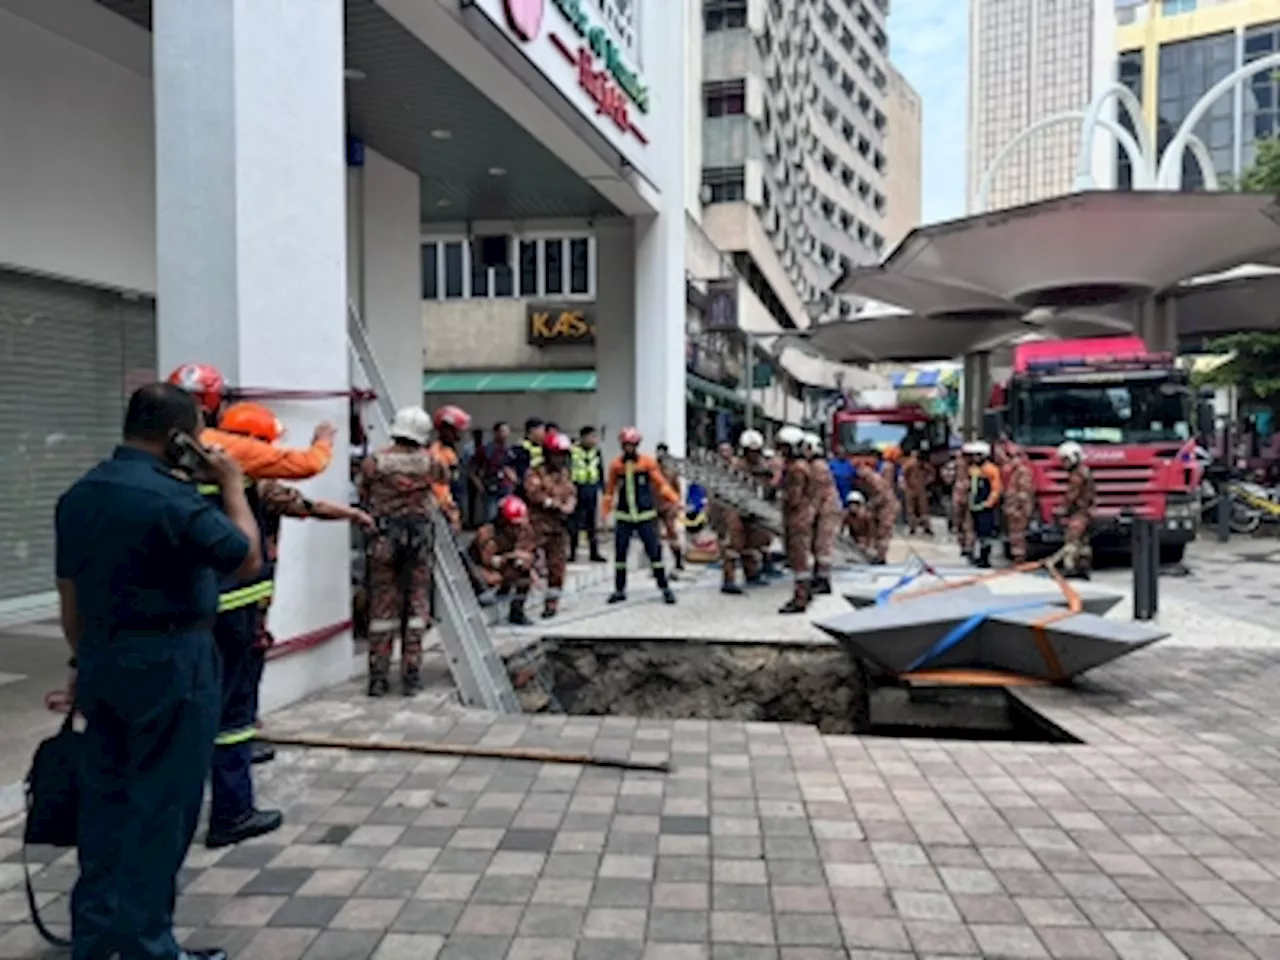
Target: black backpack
53,806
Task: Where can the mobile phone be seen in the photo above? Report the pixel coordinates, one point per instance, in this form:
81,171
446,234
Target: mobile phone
185,453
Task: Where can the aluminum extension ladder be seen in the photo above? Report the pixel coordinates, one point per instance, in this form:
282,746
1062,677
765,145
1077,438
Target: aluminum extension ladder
478,671
745,493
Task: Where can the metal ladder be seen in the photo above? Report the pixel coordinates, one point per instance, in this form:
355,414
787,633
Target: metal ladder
478,671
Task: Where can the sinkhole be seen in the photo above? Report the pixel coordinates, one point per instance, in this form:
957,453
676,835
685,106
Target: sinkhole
762,682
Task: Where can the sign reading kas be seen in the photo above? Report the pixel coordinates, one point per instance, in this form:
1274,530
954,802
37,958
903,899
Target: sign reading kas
614,87
560,326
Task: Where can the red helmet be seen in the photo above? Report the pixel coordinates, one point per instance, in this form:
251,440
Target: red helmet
251,420
451,416
204,382
513,510
558,443
629,435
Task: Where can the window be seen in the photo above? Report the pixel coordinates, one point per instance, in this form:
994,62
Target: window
724,15
579,265
430,271
727,184
1261,91
725,99
1171,7
453,272
1185,72
554,266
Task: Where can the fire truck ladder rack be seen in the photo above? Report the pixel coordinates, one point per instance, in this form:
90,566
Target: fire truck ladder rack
478,670
744,494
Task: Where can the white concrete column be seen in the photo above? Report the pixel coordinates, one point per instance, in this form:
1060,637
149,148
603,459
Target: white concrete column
1158,324
386,221
615,331
251,256
660,240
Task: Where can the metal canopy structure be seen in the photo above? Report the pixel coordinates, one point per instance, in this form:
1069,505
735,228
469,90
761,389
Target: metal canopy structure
413,108
1090,249
1077,265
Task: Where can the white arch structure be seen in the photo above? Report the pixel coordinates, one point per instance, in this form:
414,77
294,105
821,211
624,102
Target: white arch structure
1168,176
1140,161
1093,117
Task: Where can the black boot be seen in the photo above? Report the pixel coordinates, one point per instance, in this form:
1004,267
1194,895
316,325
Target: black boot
379,686
516,616
668,596
411,684
679,555
619,585
984,557
261,752
821,585
799,601
255,823
731,589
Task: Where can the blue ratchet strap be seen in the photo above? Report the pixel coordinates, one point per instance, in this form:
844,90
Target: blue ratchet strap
887,593
963,629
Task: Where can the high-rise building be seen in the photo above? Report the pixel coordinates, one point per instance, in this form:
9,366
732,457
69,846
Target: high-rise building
1029,60
1170,53
902,147
794,131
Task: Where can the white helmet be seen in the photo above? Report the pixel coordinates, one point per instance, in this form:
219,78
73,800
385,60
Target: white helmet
412,424
812,443
792,437
769,453
977,448
751,440
1070,452
855,496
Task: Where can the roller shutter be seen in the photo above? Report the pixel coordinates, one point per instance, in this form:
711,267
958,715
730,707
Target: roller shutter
69,358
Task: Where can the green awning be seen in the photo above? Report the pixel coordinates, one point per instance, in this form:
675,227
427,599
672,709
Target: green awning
728,397
510,381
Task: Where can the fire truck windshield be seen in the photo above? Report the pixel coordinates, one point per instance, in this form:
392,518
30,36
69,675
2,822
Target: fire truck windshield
1047,414
876,433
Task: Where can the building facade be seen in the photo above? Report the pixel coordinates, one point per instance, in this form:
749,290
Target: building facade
903,148
1029,60
795,121
1171,53
539,143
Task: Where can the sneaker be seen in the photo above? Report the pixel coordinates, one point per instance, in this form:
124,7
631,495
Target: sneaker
732,589
617,597
261,752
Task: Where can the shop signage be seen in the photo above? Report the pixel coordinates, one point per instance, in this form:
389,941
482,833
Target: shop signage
594,57
553,326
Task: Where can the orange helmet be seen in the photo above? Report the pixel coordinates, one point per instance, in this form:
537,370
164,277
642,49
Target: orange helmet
513,510
629,435
451,416
892,453
251,420
204,382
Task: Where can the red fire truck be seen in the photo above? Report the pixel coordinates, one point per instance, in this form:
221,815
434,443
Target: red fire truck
906,427
1131,412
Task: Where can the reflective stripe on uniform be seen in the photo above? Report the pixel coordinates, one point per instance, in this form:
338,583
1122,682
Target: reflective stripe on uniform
586,466
244,596
210,489
379,626
416,623
629,489
230,738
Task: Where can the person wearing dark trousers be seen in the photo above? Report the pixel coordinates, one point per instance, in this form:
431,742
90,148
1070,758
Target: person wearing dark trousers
588,477
636,485
139,554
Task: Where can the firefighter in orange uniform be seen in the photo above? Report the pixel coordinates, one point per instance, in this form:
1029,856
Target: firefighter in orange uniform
234,816
915,493
451,423
636,486
502,555
552,497
984,499
1019,497
828,513
859,522
1079,501
669,514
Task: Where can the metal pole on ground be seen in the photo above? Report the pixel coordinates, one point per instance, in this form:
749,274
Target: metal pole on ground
748,377
1146,569
1224,513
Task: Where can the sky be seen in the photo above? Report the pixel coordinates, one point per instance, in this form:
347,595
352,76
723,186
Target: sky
928,42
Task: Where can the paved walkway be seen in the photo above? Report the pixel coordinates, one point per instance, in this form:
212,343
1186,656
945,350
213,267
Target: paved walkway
1158,838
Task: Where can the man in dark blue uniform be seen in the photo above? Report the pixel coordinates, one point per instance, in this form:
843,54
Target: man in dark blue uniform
139,554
